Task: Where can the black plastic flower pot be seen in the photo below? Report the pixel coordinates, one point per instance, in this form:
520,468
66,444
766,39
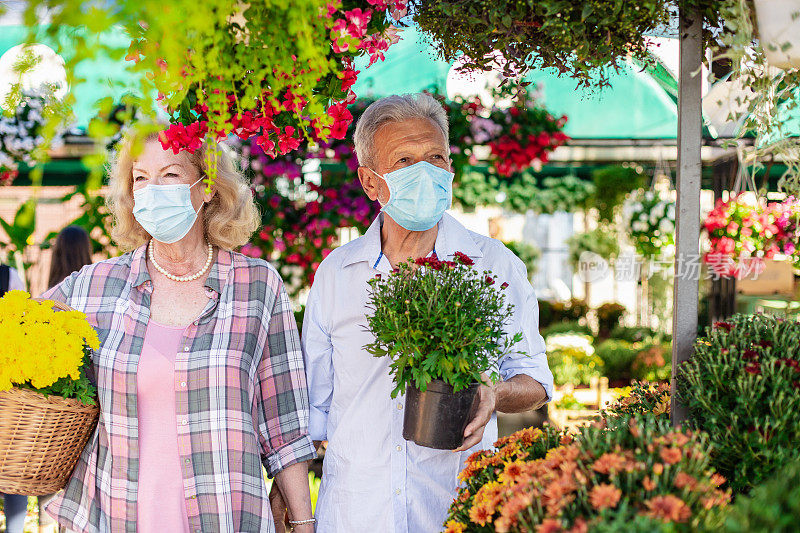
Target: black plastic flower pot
437,417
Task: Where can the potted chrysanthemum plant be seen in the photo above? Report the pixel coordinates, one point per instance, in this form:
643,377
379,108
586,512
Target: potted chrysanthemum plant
442,324
48,406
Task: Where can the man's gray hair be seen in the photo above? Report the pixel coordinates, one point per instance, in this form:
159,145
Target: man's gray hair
395,108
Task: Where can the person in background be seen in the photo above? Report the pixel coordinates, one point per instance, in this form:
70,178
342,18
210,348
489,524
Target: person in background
15,506
71,252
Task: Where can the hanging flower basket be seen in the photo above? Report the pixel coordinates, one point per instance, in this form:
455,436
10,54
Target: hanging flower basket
779,31
42,432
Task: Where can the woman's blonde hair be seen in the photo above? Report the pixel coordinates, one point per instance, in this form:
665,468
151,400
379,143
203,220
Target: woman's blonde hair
229,219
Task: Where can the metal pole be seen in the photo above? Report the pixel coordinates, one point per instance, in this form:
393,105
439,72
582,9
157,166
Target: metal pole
687,223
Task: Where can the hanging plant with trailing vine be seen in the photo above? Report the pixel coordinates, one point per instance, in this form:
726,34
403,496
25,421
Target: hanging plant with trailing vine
281,72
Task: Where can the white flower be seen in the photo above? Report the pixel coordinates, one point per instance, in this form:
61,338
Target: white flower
639,226
666,226
649,196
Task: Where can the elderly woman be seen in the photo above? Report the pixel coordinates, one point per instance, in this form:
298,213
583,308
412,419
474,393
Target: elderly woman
199,374
373,479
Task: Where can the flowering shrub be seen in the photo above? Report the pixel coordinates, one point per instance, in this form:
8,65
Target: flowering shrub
43,349
643,398
651,223
742,386
572,358
741,229
8,169
23,134
628,470
439,320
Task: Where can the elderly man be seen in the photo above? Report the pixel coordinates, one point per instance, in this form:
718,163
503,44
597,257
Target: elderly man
373,479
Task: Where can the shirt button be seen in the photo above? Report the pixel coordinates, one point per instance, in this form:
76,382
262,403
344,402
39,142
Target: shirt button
185,348
399,405
397,492
184,422
183,384
399,448
187,461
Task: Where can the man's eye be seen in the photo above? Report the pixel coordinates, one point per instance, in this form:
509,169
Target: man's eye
402,160
437,156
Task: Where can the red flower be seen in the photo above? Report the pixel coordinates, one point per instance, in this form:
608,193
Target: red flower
489,280
753,368
286,141
723,325
349,77
504,285
464,259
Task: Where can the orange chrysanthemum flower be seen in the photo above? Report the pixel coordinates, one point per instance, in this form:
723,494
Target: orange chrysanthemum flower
718,480
549,525
454,527
658,469
604,496
511,473
609,462
648,484
580,526
668,508
670,455
684,480
480,514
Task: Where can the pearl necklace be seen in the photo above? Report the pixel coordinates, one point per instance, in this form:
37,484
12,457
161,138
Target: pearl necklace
181,278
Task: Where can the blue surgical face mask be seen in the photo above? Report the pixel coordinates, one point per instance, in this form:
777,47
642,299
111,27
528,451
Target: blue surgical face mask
165,211
418,195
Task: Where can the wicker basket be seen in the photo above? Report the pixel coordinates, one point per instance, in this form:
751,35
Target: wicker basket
41,439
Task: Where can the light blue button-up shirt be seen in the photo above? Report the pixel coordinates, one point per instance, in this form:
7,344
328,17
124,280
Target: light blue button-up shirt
373,479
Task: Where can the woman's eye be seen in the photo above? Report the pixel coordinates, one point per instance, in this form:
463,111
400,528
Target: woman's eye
171,174
139,178
402,160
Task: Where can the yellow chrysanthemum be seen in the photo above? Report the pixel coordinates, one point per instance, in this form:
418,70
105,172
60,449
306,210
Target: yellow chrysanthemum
40,345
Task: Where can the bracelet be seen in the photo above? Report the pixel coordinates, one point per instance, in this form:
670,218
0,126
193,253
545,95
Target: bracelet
302,522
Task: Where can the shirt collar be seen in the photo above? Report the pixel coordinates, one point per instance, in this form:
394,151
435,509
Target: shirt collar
452,237
216,279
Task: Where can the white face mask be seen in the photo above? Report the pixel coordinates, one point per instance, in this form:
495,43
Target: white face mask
419,195
165,211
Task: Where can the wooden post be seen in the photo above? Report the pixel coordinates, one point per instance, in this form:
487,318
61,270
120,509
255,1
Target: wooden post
687,223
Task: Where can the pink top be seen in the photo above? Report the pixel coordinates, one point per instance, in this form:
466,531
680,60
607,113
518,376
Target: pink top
161,500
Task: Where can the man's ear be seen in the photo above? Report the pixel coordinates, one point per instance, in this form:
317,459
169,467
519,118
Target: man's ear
370,182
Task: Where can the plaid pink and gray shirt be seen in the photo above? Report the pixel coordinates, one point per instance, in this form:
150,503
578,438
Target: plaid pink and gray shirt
240,396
